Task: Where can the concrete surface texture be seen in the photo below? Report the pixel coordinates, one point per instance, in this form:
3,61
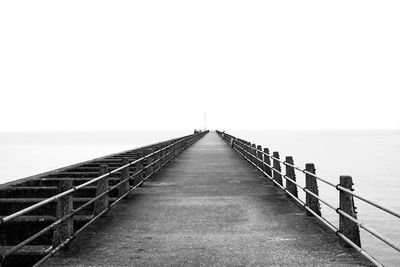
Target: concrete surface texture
209,207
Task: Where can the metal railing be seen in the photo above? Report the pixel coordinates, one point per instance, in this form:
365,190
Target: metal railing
262,161
158,159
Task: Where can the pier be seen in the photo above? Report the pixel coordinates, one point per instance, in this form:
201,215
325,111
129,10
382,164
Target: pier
189,201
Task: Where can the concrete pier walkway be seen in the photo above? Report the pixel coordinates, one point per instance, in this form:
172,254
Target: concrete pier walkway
208,208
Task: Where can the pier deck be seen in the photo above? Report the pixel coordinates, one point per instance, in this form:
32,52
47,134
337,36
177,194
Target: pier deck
208,208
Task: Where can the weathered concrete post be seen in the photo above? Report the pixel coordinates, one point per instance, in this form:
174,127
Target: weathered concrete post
248,150
124,187
311,184
253,154
102,186
260,157
291,187
346,203
139,166
159,157
64,206
277,168
176,147
167,150
155,158
162,156
240,146
149,161
267,162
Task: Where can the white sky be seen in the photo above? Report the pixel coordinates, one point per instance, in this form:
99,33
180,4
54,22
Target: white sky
150,65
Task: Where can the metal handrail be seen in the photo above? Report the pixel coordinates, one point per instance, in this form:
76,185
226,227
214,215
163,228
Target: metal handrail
338,210
380,206
75,188
338,187
319,217
251,152
74,235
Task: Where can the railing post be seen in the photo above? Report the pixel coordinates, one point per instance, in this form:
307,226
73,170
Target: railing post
162,154
139,167
64,207
248,150
175,149
102,186
155,158
346,203
291,187
253,154
124,187
311,184
171,151
232,143
149,160
167,150
259,157
267,163
277,168
239,145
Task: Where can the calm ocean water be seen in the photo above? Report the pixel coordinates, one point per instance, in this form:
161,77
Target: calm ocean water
370,157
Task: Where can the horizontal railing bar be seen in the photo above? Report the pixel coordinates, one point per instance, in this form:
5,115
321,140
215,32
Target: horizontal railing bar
318,197
75,188
293,166
379,206
30,239
298,185
370,230
77,210
319,178
74,235
320,218
388,210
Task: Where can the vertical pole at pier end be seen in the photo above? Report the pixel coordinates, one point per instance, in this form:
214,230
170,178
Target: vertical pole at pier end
267,162
291,187
65,229
102,185
277,168
346,203
259,157
124,187
311,184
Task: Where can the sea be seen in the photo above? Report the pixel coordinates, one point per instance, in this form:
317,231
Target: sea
371,157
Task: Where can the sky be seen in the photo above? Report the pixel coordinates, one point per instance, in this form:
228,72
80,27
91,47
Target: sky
161,65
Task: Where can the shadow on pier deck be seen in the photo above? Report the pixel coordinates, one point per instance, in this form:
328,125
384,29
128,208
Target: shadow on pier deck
209,208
